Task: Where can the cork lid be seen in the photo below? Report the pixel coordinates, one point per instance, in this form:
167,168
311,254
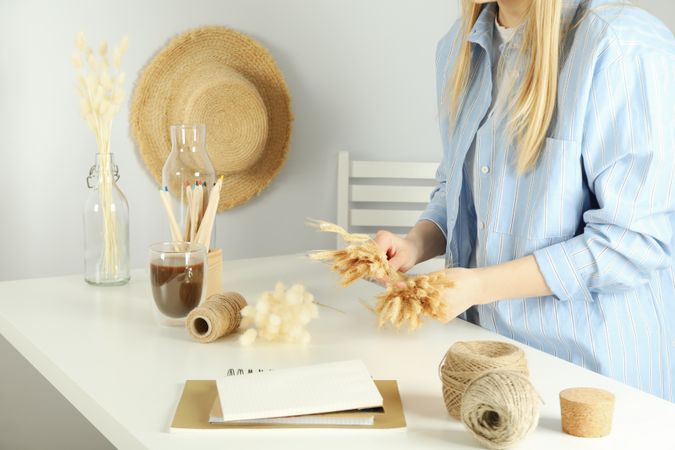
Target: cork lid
587,395
586,412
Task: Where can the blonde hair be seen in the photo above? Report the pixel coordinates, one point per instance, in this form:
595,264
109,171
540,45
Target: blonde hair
533,106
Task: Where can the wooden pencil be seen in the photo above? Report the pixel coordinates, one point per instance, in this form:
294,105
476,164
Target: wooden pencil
195,207
186,216
173,225
204,234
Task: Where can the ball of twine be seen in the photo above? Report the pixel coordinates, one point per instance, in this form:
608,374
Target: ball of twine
218,316
465,361
500,408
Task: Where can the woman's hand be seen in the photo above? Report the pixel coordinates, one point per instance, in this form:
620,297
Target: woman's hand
520,278
402,253
467,291
425,240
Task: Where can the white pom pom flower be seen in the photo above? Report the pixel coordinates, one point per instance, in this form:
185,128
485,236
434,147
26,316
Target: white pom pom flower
248,337
280,316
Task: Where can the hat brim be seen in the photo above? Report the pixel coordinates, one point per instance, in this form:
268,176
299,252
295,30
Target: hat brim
152,111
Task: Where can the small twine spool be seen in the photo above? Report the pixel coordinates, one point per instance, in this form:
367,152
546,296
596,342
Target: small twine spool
500,408
465,361
218,316
586,412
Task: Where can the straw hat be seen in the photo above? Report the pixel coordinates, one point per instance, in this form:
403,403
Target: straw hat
228,81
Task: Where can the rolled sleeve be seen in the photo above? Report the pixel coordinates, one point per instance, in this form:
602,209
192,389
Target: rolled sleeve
436,210
627,156
560,274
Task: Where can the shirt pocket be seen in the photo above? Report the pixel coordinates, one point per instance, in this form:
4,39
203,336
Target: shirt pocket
546,202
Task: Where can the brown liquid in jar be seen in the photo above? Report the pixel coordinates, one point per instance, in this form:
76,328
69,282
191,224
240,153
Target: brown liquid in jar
177,289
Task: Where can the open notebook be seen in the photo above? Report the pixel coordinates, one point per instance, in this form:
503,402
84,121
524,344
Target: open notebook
286,394
198,397
356,417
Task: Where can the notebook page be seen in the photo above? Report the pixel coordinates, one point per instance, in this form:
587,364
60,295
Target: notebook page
313,420
298,391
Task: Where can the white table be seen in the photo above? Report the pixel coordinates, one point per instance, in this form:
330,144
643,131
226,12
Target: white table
102,350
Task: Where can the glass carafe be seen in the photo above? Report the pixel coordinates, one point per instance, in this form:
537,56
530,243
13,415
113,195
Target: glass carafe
186,171
106,226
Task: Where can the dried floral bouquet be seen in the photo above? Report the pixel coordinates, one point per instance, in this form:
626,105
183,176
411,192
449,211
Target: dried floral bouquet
99,87
406,299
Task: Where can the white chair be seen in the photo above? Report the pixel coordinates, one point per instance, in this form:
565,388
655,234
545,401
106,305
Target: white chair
388,195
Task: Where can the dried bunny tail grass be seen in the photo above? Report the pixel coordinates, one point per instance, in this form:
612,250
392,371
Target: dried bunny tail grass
81,41
356,261
101,94
76,61
364,260
124,44
116,58
333,228
421,296
119,51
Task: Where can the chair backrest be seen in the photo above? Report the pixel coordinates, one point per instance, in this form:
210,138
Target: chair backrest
382,194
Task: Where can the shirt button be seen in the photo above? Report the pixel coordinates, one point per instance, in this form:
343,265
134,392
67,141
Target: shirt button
485,169
481,225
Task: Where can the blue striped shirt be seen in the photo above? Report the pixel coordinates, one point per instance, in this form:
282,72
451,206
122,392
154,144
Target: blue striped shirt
597,211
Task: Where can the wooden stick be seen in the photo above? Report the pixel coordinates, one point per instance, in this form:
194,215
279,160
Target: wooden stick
173,225
199,193
205,200
194,212
204,234
188,201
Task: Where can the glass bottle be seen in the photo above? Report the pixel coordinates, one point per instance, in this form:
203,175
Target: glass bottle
106,226
188,166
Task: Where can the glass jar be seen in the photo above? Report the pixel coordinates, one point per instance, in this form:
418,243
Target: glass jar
188,170
106,226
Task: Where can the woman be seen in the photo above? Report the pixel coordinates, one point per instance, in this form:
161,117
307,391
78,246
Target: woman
555,203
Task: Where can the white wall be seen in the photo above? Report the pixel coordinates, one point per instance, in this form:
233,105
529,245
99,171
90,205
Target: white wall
663,9
361,74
